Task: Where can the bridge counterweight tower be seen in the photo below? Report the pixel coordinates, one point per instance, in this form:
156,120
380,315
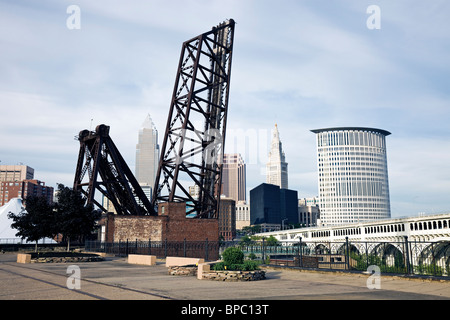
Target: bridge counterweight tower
192,150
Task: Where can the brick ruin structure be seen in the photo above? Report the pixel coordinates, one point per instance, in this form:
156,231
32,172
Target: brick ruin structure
171,223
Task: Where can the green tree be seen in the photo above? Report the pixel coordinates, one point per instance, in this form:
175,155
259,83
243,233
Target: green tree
245,241
249,230
271,241
75,218
35,222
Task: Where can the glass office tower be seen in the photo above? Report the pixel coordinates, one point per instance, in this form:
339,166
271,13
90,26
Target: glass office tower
147,154
353,175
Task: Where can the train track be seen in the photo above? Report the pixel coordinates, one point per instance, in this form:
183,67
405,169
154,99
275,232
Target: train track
41,276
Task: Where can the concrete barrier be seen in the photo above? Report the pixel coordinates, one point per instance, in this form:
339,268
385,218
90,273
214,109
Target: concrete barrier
23,258
180,261
202,269
142,259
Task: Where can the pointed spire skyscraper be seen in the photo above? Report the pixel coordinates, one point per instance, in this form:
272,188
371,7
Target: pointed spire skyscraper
147,153
277,168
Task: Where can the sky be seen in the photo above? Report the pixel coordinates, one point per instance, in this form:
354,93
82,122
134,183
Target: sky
300,64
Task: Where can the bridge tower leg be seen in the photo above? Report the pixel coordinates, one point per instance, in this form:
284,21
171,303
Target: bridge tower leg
101,167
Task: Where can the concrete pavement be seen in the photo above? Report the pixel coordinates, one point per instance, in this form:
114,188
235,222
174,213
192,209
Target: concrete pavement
115,279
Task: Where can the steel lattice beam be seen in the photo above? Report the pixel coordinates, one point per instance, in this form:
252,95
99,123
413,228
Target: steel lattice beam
101,167
192,149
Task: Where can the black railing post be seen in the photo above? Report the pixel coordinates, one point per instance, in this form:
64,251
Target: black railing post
330,255
165,248
126,249
206,249
184,247
263,253
149,246
300,250
434,259
367,256
408,266
347,254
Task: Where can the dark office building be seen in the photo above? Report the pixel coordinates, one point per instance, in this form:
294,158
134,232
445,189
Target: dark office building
265,204
271,205
289,205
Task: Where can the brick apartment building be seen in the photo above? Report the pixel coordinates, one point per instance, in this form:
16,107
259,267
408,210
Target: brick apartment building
22,189
17,181
227,218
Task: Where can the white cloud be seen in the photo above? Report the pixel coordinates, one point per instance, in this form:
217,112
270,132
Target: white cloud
419,174
303,65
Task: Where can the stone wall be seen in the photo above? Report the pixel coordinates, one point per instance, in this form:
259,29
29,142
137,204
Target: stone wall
171,224
224,275
58,257
235,275
183,270
141,228
66,259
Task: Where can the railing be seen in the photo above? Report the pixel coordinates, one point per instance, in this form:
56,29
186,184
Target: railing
208,250
21,241
11,241
17,244
404,257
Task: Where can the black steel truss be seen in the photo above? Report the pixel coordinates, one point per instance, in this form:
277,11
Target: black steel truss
192,150
102,165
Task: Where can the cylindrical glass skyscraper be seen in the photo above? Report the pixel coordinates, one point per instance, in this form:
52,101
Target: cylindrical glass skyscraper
353,175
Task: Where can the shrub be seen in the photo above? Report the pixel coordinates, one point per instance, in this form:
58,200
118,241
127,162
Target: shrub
250,265
234,260
252,256
233,255
219,266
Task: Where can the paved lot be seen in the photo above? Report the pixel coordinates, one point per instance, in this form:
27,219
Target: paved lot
114,279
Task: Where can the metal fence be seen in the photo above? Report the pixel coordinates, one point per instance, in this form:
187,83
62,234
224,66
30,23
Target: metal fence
208,250
21,241
14,245
404,257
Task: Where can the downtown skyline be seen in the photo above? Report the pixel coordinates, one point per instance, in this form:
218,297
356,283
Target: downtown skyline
300,64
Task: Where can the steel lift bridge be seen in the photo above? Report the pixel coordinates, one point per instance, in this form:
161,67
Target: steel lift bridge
192,150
